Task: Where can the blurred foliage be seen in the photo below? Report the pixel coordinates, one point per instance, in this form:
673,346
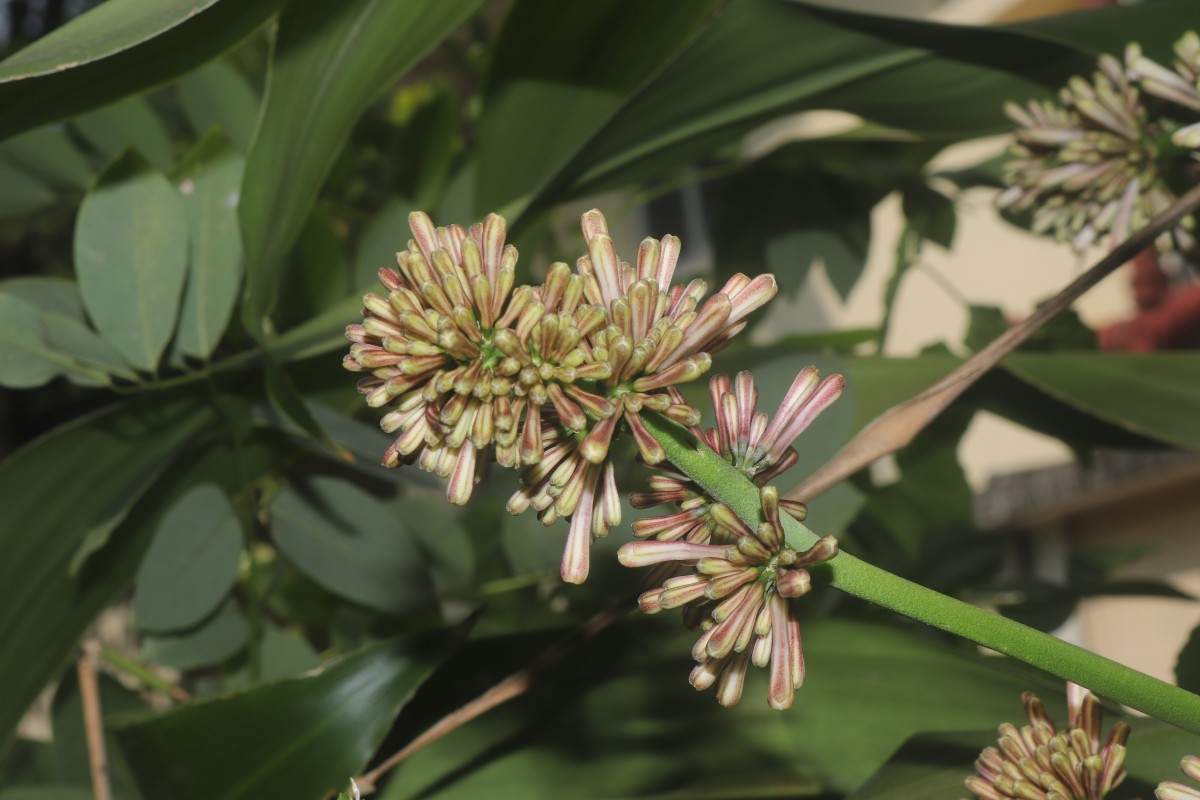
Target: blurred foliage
195,195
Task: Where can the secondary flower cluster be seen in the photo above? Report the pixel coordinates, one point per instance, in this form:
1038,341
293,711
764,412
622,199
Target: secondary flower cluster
1101,161
1040,761
540,377
733,582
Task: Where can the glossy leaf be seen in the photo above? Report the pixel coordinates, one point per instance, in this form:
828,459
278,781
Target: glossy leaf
62,485
937,80
192,562
209,181
331,60
131,250
347,541
131,123
230,747
218,94
115,50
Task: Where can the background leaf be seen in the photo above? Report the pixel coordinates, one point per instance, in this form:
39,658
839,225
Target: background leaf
131,123
115,50
131,243
330,61
218,94
230,748
209,181
192,562
347,541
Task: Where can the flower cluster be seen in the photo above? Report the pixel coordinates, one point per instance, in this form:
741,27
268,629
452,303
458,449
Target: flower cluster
733,582
1039,761
756,445
537,377
739,594
1100,162
1172,790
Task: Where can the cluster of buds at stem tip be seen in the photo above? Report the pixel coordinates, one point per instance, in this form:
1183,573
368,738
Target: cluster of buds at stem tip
758,446
540,378
1100,161
1172,790
1038,761
739,594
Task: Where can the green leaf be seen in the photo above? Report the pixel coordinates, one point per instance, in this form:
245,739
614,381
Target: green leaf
281,654
192,562
217,639
1187,667
1154,394
65,337
547,91
295,738
117,49
61,485
287,400
132,124
209,181
218,94
331,60
930,213
131,242
940,81
26,358
49,154
21,194
347,541
384,236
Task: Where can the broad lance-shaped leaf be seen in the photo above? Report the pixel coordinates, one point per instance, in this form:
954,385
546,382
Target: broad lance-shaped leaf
295,738
192,562
937,80
129,124
351,544
330,62
131,250
53,492
119,48
209,181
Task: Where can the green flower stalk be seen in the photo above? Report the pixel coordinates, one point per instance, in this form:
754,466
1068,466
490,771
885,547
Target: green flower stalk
1038,761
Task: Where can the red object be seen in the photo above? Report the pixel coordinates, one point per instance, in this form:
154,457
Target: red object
1168,317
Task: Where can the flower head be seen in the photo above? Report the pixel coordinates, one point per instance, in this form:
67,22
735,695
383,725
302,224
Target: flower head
1095,164
757,445
740,595
1180,85
1171,790
1039,761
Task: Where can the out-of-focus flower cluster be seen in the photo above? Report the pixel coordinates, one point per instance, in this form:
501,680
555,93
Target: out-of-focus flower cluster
1103,161
733,582
538,378
1037,760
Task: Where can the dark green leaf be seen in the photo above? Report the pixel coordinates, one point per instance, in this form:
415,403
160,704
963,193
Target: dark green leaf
61,486
131,243
1151,394
295,738
26,358
281,654
1064,332
377,247
331,60
129,124
1187,667
347,541
217,639
287,399
218,94
547,91
930,213
115,50
209,181
21,194
192,562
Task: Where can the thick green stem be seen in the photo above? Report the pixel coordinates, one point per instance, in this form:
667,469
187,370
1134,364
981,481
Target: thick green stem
1101,675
